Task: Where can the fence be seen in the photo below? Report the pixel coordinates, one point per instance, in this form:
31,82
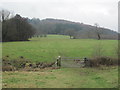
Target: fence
70,62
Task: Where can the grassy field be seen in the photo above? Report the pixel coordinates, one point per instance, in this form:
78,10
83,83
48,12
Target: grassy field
106,77
47,49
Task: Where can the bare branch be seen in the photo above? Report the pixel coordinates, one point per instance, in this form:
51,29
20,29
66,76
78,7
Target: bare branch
5,14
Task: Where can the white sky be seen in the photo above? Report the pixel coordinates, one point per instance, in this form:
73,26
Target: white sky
103,12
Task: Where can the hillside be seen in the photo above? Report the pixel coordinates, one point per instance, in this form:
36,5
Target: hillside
73,29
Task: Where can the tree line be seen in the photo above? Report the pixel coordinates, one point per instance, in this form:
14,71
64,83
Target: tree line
73,29
15,28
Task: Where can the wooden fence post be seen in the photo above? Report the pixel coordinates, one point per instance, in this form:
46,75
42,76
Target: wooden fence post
59,61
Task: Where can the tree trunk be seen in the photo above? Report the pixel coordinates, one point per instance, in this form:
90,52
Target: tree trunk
99,37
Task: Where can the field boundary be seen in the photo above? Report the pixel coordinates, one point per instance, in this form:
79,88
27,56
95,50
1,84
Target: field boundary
71,61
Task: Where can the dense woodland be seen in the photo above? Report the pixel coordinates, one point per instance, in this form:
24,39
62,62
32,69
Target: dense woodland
15,28
74,29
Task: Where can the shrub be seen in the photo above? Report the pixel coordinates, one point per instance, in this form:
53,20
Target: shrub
96,62
22,63
8,64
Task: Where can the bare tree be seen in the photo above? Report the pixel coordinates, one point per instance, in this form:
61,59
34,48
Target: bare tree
98,31
5,15
70,32
117,50
98,50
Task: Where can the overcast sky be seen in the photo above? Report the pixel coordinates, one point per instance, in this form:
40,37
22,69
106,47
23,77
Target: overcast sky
103,12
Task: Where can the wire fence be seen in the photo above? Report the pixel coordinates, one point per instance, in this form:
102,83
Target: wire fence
72,62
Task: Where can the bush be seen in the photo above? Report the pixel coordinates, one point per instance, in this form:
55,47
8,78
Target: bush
96,62
12,65
20,63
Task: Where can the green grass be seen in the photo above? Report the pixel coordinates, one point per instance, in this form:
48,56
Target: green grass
47,49
63,78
